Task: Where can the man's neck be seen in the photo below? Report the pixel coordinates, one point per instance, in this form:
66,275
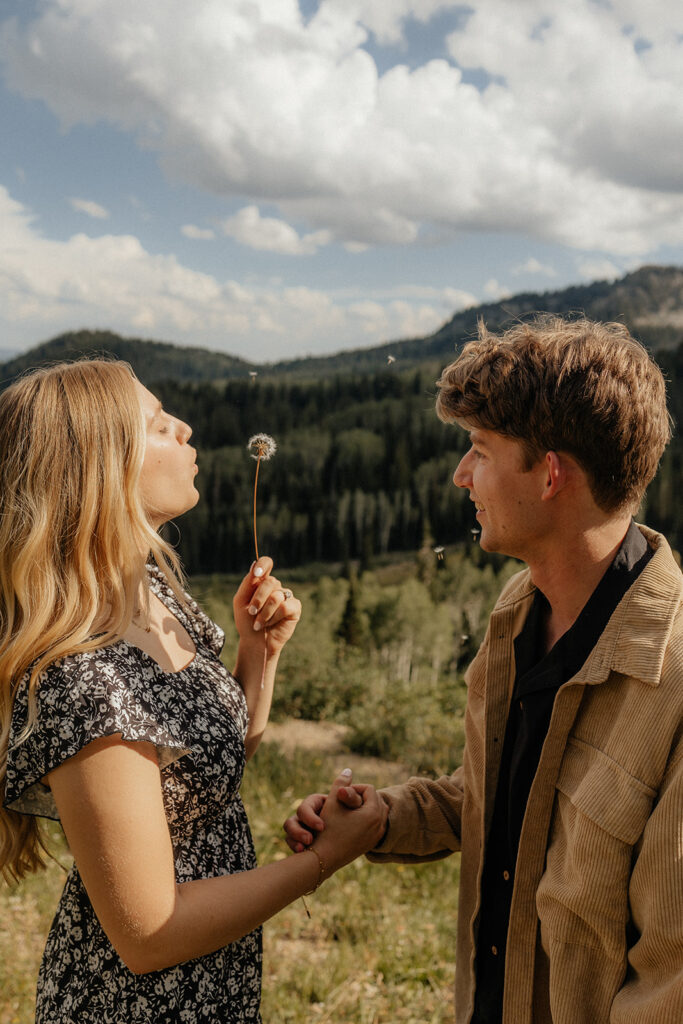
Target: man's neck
568,575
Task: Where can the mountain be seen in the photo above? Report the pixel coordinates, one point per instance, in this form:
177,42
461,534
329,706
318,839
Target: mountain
649,301
152,360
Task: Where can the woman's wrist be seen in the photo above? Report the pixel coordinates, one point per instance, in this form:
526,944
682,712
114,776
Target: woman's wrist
251,664
323,870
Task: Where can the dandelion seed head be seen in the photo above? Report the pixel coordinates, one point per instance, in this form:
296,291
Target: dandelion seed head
261,446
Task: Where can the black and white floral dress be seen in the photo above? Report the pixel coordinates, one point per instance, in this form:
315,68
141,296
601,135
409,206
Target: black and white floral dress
197,718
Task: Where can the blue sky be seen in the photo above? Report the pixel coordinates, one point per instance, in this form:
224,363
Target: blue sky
274,178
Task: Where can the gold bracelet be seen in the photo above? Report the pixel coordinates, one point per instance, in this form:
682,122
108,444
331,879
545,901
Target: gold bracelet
321,870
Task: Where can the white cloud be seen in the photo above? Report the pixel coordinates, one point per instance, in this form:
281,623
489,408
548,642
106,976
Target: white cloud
90,208
493,289
49,286
199,234
534,266
599,270
249,228
577,140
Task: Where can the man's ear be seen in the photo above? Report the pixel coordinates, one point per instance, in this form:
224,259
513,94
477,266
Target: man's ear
555,475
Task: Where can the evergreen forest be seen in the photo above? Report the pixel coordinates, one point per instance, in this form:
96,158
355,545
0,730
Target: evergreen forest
363,468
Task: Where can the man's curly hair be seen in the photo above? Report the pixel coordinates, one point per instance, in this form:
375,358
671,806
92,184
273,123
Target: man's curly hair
575,386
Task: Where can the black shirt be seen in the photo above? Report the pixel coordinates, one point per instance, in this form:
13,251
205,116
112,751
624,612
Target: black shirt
538,678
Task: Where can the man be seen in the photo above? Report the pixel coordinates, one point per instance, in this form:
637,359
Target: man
568,808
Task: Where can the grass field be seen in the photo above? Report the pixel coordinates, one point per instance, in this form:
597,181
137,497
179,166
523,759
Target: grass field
378,948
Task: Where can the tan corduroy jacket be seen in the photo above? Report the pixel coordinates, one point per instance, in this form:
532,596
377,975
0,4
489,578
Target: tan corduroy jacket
596,925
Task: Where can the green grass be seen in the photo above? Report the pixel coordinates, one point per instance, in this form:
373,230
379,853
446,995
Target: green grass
378,948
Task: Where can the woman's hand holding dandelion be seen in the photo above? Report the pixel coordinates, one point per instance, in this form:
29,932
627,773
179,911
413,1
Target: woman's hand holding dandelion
263,603
266,614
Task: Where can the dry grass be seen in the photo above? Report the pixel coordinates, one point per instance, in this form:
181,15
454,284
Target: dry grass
378,948
26,913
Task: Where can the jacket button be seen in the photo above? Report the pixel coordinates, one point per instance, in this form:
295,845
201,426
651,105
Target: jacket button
494,950
506,876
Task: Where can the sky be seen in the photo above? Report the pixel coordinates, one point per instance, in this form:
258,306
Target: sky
281,178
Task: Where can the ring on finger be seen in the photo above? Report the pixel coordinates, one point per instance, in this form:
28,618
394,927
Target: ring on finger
287,593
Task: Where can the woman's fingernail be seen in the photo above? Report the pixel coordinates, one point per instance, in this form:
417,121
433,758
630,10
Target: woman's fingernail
253,610
258,571
345,771
257,626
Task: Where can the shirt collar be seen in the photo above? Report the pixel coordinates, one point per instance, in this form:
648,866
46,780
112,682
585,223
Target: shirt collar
636,637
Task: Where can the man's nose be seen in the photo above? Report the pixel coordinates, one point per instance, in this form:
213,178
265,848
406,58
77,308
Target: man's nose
462,476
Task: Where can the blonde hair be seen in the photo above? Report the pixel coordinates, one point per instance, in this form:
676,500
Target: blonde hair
74,540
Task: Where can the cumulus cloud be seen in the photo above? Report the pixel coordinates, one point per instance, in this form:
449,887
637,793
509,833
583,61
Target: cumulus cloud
249,228
534,266
493,289
90,208
59,285
599,270
576,139
197,233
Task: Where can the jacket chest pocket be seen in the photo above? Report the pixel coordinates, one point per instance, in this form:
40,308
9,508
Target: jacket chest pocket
601,790
599,815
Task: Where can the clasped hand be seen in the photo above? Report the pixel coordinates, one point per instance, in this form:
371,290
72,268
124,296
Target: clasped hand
346,823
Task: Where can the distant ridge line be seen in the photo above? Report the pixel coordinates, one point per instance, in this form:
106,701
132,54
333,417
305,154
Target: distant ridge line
649,300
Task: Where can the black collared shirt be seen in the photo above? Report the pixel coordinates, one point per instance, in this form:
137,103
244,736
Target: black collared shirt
537,680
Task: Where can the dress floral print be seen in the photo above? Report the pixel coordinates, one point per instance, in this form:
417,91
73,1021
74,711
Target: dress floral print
197,718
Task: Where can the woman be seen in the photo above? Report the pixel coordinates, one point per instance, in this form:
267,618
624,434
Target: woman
118,718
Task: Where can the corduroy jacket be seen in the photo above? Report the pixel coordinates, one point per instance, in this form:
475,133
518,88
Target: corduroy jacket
596,924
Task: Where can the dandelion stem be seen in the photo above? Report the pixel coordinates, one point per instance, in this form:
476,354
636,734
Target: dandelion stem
258,463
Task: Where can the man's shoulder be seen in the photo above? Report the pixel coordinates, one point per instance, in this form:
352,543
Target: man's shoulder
517,588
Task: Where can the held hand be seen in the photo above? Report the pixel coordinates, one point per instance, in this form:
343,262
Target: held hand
349,832
263,603
301,828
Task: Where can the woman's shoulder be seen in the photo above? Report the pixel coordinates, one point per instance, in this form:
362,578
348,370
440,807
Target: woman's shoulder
80,698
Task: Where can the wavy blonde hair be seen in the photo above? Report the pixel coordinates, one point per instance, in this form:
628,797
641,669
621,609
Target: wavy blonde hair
74,540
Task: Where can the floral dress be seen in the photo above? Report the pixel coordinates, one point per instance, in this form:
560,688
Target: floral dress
197,718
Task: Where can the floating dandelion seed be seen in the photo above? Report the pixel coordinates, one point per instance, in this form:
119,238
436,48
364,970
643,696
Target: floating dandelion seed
253,373
438,551
475,533
391,359
260,447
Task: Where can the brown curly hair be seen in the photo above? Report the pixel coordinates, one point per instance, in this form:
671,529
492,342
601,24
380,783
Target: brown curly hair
577,386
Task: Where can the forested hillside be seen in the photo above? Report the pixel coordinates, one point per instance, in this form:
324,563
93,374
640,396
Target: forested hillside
364,466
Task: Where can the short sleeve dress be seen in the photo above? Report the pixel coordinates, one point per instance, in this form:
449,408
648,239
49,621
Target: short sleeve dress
197,718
